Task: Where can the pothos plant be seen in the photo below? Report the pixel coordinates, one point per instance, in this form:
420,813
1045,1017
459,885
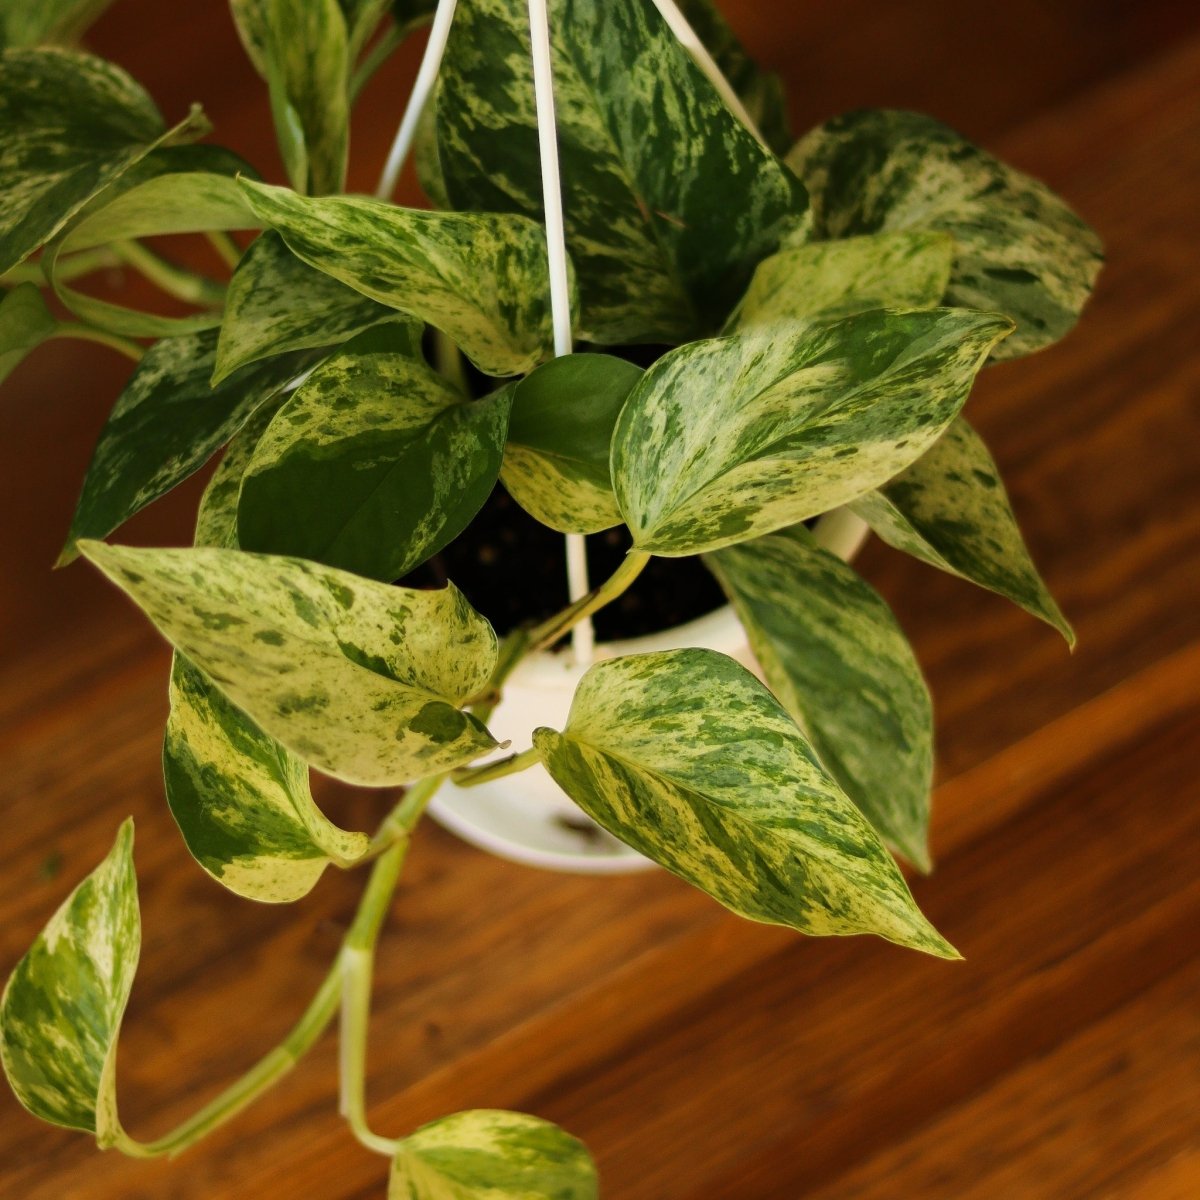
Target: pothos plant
675,321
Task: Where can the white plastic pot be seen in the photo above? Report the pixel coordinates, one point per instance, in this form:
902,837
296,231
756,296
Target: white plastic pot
526,817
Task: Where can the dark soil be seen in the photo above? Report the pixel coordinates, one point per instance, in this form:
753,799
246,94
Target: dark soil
513,570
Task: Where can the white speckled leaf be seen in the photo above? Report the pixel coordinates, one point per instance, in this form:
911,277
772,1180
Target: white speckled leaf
950,509
727,439
559,439
479,278
686,757
60,1016
165,425
25,323
375,463
838,662
885,270
487,1154
241,801
70,124
300,47
1020,249
176,201
41,22
361,680
669,201
277,303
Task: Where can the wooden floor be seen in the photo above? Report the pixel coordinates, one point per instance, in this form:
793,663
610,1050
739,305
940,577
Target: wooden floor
700,1057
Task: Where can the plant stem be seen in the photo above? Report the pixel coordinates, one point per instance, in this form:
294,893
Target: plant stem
226,247
375,57
175,281
548,632
439,34
402,820
88,333
471,776
68,267
448,360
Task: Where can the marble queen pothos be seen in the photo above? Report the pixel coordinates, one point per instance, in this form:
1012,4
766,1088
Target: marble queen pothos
819,310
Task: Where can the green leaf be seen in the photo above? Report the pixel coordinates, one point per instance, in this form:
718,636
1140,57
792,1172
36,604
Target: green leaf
38,22
487,1154
375,463
686,757
300,47
241,801
25,323
71,124
60,1016
727,439
950,509
1021,250
166,424
174,200
479,278
833,654
669,201
362,680
826,279
277,303
556,460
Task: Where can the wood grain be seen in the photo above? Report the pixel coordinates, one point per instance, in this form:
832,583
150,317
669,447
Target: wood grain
703,1058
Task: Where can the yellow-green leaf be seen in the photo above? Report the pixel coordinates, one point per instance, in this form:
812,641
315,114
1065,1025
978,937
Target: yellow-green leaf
686,757
25,323
39,22
361,680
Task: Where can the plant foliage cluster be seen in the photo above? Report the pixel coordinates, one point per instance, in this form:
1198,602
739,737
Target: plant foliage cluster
826,304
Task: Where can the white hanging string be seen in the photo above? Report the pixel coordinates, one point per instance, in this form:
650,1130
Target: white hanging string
583,636
431,63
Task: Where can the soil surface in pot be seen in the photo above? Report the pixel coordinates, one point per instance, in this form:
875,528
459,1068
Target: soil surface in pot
513,570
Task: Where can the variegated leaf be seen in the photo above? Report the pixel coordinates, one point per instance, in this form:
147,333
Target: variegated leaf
359,679
375,463
832,652
300,47
71,124
727,439
479,278
61,1013
166,424
950,509
277,303
686,757
173,200
487,1154
25,323
241,801
556,460
669,201
1020,249
42,22
826,279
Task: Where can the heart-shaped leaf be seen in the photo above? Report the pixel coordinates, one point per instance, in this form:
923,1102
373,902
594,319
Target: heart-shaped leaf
375,463
828,279
61,1013
686,757
165,425
25,323
727,439
72,125
669,200
559,440
1020,249
479,278
300,47
40,22
361,680
277,303
835,657
493,1154
950,509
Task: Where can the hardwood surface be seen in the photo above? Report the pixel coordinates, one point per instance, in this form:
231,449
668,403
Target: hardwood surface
700,1057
